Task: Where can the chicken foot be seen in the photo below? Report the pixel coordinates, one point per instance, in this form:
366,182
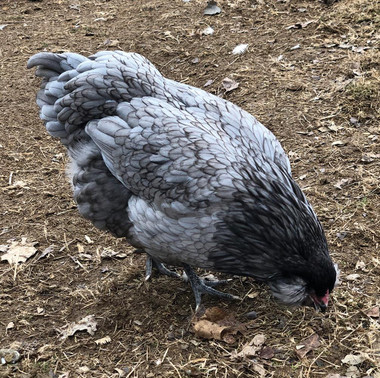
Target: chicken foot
201,286
160,267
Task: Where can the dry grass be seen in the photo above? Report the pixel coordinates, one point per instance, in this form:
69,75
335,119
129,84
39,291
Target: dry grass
321,100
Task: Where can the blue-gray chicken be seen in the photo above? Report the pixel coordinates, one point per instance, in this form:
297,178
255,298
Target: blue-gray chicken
187,177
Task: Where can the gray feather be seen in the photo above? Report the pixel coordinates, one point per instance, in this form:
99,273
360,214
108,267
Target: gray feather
184,175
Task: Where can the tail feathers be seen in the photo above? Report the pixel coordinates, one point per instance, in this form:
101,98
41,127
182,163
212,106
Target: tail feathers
50,64
76,90
56,129
44,98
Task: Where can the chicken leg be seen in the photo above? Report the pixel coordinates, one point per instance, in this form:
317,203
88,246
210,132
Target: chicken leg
200,287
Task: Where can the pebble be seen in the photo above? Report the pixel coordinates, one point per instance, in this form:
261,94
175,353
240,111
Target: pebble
9,356
251,315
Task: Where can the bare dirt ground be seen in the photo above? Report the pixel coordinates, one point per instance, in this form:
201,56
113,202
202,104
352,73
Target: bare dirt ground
311,75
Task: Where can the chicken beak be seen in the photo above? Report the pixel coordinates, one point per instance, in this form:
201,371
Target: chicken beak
320,302
322,306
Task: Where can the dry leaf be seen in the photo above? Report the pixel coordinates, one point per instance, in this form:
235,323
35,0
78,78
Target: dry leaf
46,252
333,127
108,253
209,330
267,353
66,374
208,83
323,129
111,42
85,256
229,84
217,324
19,252
103,340
259,340
259,369
352,277
373,312
248,351
352,359
253,295
88,324
343,182
83,369
341,235
310,343
352,372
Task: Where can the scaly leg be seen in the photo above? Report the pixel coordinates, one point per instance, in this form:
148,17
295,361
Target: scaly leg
160,267
200,287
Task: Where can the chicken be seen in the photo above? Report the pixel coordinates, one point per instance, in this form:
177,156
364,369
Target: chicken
185,176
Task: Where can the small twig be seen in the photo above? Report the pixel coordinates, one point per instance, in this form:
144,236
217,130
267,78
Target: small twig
179,374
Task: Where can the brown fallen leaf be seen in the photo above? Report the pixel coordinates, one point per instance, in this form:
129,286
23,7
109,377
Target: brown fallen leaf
108,253
215,314
208,83
260,370
373,312
352,277
229,84
248,351
47,251
310,343
343,182
66,374
259,339
217,324
19,252
111,42
88,324
254,348
352,359
209,330
267,353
